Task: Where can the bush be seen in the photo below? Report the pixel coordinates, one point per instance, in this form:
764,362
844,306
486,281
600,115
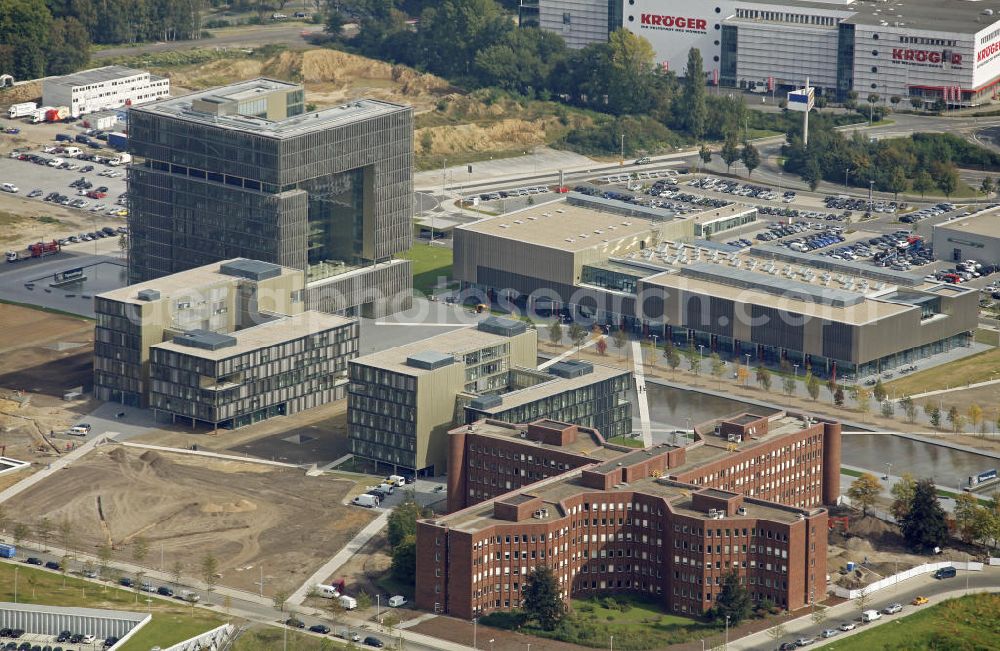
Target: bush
508,621
215,23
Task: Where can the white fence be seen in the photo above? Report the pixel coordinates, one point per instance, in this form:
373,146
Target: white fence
208,641
994,561
908,574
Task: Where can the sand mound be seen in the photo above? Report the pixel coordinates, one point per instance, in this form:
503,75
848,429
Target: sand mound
869,526
241,506
118,455
859,545
511,133
157,463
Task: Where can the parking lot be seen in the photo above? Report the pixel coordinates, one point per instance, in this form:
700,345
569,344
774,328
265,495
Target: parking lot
38,642
35,182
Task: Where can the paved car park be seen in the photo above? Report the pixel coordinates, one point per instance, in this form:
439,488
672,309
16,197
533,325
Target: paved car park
36,182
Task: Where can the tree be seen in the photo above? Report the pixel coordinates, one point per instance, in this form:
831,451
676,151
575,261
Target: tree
818,615
65,533
540,598
838,397
403,521
956,419
863,398
986,187
788,385
742,376
602,346
909,408
924,527
934,414
43,529
864,490
878,391
705,154
717,366
620,339
975,415
140,548
694,364
730,152
750,157
693,104
764,378
968,520
917,102
577,334
335,22
64,566
404,560
863,599
555,332
4,518
887,409
923,182
104,554
672,356
947,179
209,572
24,35
812,386
19,533
902,495
733,601
777,632
280,597
176,571
811,173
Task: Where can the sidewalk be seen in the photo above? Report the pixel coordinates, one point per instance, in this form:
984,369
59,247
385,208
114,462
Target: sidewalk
55,466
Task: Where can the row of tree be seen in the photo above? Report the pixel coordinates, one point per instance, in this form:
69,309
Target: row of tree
923,162
53,37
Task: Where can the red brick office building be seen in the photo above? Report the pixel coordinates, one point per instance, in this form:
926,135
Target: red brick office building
746,496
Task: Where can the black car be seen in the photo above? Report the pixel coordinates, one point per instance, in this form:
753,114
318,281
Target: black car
87,168
52,565
125,581
373,641
295,623
320,628
110,642
76,638
4,632
102,188
165,591
31,560
64,636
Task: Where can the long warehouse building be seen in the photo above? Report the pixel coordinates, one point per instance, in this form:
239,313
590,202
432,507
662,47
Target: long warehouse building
922,51
649,275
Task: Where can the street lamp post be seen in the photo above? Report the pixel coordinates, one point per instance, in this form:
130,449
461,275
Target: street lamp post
888,469
612,643
727,633
491,644
847,170
701,350
796,369
655,337
475,638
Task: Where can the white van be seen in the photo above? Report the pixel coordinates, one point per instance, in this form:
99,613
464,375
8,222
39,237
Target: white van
72,152
365,500
348,603
397,601
56,162
396,480
327,591
870,616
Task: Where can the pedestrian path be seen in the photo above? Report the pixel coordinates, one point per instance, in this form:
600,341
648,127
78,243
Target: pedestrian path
961,387
641,396
569,353
213,455
55,466
340,558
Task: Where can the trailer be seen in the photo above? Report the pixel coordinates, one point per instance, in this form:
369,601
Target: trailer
7,551
57,114
120,159
118,140
37,250
39,115
22,110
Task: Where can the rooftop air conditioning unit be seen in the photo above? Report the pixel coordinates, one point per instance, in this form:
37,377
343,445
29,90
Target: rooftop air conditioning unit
742,510
712,512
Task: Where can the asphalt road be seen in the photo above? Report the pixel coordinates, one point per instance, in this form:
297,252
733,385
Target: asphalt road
284,33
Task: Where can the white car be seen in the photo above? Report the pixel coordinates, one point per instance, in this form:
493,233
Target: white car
848,626
9,187
98,208
88,639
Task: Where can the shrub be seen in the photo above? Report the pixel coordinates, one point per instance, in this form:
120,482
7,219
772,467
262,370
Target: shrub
508,621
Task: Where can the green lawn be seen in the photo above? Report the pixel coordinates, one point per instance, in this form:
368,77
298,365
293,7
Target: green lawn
968,623
627,441
636,624
969,370
269,639
430,263
172,621
988,337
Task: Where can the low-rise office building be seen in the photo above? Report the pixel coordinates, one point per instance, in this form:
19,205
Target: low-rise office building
648,274
225,344
404,400
745,497
100,89
969,238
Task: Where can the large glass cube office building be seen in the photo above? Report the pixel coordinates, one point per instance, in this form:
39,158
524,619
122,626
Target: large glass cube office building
245,171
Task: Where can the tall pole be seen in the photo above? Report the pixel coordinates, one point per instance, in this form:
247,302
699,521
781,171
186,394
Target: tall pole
622,159
727,633
475,634
612,643
262,579
805,118
15,584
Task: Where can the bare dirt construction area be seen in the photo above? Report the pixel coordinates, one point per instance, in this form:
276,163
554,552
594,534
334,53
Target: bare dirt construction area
878,550
44,355
243,514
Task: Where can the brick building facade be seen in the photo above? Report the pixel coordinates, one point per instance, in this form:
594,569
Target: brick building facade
667,521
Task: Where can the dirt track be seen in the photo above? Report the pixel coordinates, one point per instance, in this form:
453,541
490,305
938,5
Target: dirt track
243,514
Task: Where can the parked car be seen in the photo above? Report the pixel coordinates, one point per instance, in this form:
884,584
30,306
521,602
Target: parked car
829,632
31,560
804,641
374,642
945,573
320,628
165,591
919,601
848,626
295,623
126,581
52,565
892,609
